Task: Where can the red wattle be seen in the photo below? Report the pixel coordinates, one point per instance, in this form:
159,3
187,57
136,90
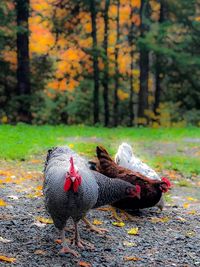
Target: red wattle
67,184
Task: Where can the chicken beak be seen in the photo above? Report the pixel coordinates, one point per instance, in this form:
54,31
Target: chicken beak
73,179
138,195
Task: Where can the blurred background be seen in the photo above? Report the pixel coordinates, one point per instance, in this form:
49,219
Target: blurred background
122,62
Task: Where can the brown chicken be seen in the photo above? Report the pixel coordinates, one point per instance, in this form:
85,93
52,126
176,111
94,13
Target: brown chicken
151,190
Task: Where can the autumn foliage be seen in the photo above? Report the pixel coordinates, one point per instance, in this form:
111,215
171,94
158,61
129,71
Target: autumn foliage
62,55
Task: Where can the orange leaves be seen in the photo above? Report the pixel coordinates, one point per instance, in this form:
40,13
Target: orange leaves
87,27
7,259
84,264
41,39
136,3
97,222
11,57
2,203
132,258
136,19
40,6
122,95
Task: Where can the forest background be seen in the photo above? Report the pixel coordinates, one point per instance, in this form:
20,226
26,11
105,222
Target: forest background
121,62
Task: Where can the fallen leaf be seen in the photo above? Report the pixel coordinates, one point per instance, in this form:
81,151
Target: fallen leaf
71,145
7,259
191,199
190,234
129,244
39,187
97,222
192,212
35,161
40,252
4,240
186,205
118,224
162,220
132,258
2,203
133,231
44,220
58,241
84,264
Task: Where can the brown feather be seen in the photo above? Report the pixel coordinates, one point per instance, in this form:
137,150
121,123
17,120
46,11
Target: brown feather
150,189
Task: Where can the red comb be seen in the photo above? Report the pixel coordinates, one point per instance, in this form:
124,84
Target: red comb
164,179
71,170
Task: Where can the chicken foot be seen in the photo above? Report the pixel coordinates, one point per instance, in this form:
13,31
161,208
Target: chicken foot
117,217
65,249
78,242
94,228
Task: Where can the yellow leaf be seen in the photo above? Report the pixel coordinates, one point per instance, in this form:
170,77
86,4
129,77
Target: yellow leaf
190,234
40,252
71,145
129,244
133,231
2,203
39,187
132,258
97,222
186,205
191,199
162,220
7,259
4,119
44,220
118,224
192,212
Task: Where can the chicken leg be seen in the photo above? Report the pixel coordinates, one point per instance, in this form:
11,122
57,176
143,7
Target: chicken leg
77,240
65,249
94,228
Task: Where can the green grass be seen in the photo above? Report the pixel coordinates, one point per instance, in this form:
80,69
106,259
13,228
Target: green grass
24,142
181,163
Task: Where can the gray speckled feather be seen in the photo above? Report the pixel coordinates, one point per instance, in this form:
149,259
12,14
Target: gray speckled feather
110,190
60,204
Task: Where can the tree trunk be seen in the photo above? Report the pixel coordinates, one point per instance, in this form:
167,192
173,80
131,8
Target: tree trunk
158,65
106,66
144,71
131,42
23,90
116,100
93,13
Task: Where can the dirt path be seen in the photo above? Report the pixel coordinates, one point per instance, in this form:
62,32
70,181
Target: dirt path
170,238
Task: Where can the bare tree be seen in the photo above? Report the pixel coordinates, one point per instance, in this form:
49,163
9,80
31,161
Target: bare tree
23,90
116,100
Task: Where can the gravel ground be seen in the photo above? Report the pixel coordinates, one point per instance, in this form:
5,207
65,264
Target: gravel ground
170,238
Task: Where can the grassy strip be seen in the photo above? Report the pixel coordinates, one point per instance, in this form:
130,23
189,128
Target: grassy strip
25,142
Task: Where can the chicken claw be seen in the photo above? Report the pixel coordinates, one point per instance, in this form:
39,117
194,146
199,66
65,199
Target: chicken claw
80,243
66,249
94,228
